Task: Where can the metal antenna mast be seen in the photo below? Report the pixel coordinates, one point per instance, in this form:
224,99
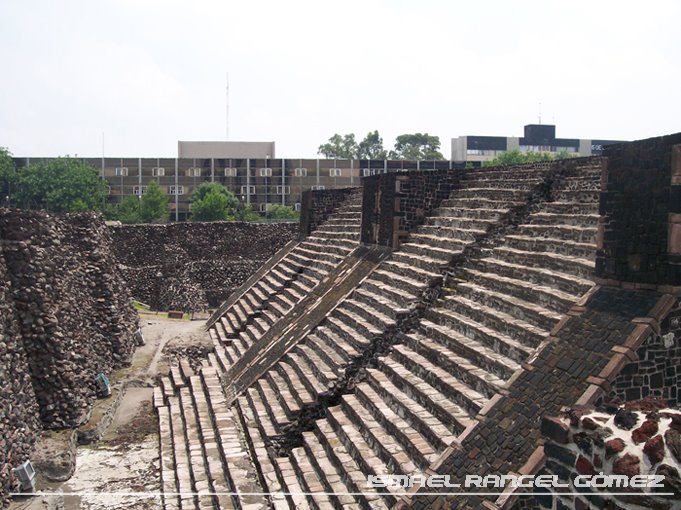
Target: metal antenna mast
227,110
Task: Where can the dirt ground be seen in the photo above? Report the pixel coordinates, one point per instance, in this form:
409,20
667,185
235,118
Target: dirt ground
121,470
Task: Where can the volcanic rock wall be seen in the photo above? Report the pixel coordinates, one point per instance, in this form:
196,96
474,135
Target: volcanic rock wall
66,317
642,438
193,266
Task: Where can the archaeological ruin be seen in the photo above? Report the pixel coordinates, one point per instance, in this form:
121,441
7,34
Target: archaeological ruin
490,322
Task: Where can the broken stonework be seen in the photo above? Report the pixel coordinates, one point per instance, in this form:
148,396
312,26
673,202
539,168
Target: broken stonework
66,316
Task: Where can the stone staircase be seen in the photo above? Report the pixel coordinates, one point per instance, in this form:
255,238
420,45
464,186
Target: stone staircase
287,283
312,446
205,463
396,421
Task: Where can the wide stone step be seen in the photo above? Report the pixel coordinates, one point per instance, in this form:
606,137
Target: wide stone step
292,485
415,445
298,366
591,184
477,213
430,247
389,278
541,277
222,441
435,246
525,332
339,234
573,233
461,223
383,307
575,196
546,297
302,387
535,314
336,249
476,350
459,235
458,202
261,421
583,268
403,269
550,219
289,394
310,482
277,414
516,184
349,470
347,244
415,260
402,298
330,356
313,363
370,314
466,371
416,408
183,470
383,443
497,341
352,327
167,460
563,207
334,340
586,251
491,194
411,371
505,173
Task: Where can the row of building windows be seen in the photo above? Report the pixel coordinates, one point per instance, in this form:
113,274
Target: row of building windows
245,190
231,172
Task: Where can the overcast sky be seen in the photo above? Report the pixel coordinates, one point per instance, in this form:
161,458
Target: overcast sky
149,73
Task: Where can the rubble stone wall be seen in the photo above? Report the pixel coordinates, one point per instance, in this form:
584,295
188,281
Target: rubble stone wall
194,266
642,438
67,316
656,371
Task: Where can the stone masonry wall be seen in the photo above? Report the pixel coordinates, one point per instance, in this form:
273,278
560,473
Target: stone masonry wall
394,204
19,422
639,439
640,236
66,317
194,266
656,371
317,205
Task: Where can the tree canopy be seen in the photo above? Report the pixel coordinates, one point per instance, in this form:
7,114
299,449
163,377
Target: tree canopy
8,174
154,206
60,185
515,157
417,146
371,147
340,147
211,201
282,212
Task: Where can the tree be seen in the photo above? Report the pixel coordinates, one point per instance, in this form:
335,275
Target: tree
246,213
417,146
515,157
213,202
8,175
282,212
371,147
339,147
154,205
129,210
60,185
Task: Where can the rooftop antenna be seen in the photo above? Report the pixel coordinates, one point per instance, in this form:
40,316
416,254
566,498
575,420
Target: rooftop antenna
227,108
540,113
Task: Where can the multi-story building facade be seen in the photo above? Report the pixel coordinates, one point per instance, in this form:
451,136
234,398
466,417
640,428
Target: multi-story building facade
538,138
261,182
